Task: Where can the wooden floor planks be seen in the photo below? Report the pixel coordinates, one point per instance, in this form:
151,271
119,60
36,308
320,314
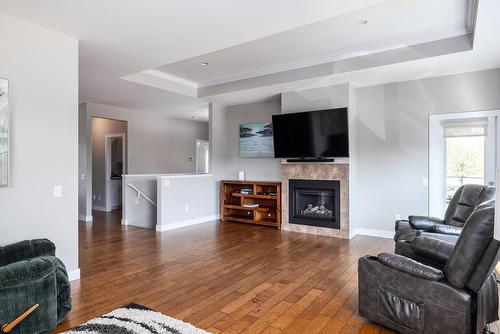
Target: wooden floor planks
231,278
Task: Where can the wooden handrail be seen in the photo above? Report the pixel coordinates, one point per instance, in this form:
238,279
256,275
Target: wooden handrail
10,325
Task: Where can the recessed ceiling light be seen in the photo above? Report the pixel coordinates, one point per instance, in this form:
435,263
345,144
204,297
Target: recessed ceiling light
203,63
363,22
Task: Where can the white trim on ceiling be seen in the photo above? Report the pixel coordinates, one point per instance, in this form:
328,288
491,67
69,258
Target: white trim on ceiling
170,77
470,22
340,55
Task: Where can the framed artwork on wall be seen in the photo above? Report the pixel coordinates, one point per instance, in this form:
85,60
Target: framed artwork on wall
4,132
256,140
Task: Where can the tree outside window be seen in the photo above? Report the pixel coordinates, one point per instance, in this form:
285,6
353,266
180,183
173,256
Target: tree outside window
464,162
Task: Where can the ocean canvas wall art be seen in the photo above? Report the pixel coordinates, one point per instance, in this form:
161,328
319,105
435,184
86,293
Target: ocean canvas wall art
256,140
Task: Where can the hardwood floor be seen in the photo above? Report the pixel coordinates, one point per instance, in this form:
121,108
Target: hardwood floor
231,278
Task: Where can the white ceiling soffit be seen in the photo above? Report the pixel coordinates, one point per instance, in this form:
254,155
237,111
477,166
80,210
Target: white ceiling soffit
118,38
395,33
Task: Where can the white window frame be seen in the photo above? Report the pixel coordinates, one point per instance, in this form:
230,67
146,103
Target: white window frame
437,172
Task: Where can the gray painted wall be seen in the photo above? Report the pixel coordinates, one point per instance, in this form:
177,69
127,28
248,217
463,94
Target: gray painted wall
389,138
139,212
185,199
225,161
392,139
44,143
336,96
225,145
156,143
100,128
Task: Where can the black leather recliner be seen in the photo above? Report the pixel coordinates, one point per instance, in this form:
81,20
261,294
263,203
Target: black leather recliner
464,201
458,294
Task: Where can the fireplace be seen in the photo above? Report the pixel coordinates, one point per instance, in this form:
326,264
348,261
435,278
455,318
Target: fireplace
314,203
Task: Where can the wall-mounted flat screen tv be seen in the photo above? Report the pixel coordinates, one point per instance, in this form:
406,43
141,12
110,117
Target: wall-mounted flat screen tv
313,134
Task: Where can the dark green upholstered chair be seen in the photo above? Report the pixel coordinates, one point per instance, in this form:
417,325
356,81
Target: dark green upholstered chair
30,274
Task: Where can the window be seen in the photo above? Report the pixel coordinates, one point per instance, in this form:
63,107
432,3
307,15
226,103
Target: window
464,145
462,150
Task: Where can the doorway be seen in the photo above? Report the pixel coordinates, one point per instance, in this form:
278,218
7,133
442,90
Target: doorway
114,169
462,150
202,156
109,162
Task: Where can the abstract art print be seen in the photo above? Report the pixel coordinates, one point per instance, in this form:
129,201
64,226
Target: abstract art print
256,140
4,132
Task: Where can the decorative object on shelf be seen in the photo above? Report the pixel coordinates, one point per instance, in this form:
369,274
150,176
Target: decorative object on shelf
251,202
246,191
135,318
4,132
241,175
256,140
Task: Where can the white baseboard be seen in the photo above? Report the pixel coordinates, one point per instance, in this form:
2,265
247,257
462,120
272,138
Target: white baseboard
74,275
184,223
372,233
124,221
84,218
99,208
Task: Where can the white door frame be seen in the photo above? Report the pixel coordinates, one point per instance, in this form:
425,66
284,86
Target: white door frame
107,164
437,173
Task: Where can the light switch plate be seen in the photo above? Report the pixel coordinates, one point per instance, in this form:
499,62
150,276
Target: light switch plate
57,191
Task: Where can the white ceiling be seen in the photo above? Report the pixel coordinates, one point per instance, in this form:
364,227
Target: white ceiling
119,38
331,39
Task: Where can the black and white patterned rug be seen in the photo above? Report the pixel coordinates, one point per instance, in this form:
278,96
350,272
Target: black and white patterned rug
135,319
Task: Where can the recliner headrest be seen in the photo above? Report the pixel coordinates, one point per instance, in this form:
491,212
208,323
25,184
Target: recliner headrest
464,202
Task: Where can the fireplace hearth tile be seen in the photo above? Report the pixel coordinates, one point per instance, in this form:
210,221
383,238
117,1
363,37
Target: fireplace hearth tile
311,171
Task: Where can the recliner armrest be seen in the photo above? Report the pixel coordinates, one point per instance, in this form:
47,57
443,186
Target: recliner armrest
27,271
424,223
411,267
433,249
446,229
402,224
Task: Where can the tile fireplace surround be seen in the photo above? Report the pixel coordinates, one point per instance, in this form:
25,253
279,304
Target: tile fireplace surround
317,171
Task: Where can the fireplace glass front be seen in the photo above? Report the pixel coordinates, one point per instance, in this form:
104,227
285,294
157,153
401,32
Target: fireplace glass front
315,203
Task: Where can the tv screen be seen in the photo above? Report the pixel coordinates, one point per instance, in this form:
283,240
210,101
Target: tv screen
313,134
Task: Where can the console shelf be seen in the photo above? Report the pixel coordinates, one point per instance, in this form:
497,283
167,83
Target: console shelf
266,194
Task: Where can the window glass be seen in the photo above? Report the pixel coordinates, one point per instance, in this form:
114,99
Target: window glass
464,162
